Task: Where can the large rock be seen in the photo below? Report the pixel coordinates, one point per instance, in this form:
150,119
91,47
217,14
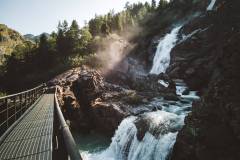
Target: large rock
91,103
151,123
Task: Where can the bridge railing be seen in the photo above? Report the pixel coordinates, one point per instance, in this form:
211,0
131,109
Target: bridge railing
13,106
64,147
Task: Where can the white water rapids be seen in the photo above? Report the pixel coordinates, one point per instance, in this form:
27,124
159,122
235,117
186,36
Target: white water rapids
158,130
157,143
161,59
211,5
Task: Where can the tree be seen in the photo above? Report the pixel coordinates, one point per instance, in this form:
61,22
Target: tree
73,36
43,44
85,39
119,25
105,29
95,25
43,54
154,4
147,6
127,5
162,4
65,26
60,42
74,30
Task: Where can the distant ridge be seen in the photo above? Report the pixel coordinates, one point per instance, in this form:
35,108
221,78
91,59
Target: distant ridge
34,38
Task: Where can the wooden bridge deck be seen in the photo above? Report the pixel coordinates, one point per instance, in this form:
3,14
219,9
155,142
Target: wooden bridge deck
31,138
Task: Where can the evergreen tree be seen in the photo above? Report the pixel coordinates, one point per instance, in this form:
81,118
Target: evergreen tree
42,58
162,4
86,38
105,29
64,26
60,42
154,4
43,44
119,25
95,25
73,36
147,6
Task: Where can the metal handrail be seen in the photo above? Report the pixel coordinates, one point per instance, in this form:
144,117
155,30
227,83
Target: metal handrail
16,94
69,147
12,107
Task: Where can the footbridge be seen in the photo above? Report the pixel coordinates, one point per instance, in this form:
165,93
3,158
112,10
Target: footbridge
32,127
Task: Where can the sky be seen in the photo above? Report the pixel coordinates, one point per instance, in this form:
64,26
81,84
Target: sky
38,16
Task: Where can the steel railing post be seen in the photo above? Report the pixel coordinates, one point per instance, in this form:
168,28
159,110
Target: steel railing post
6,104
25,101
15,109
21,104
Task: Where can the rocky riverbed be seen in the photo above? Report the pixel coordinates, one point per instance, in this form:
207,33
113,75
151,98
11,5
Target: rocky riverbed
91,103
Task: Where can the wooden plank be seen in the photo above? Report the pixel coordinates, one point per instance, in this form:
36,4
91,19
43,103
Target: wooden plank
32,136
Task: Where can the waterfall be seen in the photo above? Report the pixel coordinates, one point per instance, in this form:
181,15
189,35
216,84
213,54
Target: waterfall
162,56
126,146
211,5
158,139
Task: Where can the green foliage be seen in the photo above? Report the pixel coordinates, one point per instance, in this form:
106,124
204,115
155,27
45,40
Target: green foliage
154,4
85,39
71,46
105,29
119,22
2,94
72,38
9,39
162,4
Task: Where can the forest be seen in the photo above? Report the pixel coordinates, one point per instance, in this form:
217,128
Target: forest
31,63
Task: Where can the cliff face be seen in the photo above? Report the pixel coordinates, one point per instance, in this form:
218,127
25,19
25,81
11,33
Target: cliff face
207,58
209,62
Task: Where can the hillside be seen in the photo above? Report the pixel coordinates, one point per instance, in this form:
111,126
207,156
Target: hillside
9,39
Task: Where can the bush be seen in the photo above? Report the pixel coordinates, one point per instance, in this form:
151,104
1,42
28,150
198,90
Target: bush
2,94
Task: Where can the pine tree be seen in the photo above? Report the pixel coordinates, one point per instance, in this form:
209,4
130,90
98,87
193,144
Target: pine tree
43,44
105,29
60,42
65,26
154,4
86,38
119,25
73,36
162,4
42,57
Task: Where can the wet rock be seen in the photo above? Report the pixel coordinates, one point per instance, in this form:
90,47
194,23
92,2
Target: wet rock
142,126
171,97
147,123
91,103
186,92
107,116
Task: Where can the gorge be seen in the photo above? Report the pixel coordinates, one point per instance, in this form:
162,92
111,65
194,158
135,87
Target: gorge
164,85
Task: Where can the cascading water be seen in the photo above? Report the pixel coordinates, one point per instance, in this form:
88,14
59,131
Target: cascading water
151,136
158,130
162,56
159,137
211,5
185,37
